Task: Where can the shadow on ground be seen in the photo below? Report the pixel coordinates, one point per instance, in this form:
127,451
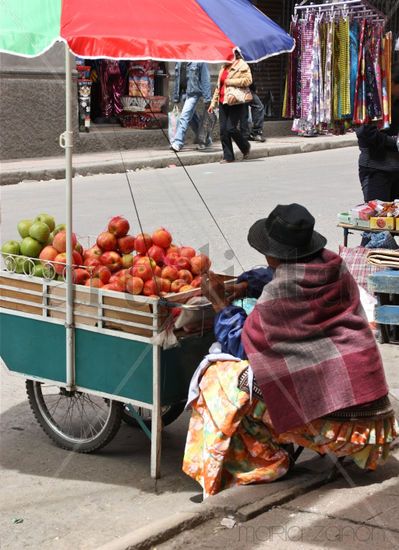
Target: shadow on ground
124,461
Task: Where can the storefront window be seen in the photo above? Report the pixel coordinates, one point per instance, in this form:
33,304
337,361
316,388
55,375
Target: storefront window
125,93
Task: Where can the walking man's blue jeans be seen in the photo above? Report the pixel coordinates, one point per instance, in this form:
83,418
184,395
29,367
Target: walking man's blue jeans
188,117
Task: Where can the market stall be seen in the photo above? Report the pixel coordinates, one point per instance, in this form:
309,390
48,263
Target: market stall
98,344
375,264
339,72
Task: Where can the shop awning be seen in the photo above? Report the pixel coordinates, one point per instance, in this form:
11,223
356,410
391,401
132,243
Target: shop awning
166,30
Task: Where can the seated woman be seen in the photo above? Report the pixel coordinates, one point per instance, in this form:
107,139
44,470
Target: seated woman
319,376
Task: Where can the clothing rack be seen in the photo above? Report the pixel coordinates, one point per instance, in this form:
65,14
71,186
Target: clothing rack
357,9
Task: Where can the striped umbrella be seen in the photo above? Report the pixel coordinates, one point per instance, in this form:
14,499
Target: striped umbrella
166,30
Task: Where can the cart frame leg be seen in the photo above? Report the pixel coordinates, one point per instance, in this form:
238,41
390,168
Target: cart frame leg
156,420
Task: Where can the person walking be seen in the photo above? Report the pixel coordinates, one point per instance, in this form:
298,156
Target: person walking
192,81
379,153
255,112
231,95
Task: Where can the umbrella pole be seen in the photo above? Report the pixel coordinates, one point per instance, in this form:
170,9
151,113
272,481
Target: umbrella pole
66,142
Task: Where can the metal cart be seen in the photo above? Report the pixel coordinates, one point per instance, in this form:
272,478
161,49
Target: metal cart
119,373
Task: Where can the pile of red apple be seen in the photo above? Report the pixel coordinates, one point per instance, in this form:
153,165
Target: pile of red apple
144,264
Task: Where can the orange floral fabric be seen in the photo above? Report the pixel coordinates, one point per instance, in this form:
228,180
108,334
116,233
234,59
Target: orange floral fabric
231,440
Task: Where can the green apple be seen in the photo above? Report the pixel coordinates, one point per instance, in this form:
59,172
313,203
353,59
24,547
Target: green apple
39,231
23,228
50,238
47,219
58,228
30,247
11,247
38,270
24,265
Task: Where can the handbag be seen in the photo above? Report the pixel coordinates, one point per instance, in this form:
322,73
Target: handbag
237,96
173,121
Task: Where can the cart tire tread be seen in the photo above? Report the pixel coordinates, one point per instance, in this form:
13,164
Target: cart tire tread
113,425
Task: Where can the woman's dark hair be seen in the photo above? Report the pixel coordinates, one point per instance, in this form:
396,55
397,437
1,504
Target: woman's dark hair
395,73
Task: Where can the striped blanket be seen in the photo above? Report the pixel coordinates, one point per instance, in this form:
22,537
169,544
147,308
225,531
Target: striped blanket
310,345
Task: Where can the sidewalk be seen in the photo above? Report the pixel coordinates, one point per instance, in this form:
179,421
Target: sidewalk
37,169
255,509
358,512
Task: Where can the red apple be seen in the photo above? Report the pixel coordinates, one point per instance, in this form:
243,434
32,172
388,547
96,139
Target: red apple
126,244
94,251
161,237
187,252
94,283
151,287
156,253
112,260
134,285
145,260
79,248
143,271
183,263
80,276
172,248
200,264
59,241
60,260
102,273
118,226
157,271
48,254
127,261
92,262
177,284
107,241
170,272
136,258
185,274
165,285
143,243
171,258
111,287
196,282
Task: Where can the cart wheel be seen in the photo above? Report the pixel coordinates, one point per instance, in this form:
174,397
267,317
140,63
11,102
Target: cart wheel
169,414
74,420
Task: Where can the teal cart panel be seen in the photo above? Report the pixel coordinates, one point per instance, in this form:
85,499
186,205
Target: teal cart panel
33,347
179,364
117,366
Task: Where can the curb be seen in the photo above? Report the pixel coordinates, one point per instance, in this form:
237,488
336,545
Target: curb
243,502
166,159
217,507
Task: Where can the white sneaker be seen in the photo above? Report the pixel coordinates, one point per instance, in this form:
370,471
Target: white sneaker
175,148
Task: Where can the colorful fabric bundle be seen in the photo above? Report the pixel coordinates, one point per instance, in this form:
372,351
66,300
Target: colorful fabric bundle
338,74
309,344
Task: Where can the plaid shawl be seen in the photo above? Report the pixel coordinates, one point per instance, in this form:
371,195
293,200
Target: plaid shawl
309,343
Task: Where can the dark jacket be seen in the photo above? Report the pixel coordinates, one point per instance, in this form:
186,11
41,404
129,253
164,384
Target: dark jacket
380,142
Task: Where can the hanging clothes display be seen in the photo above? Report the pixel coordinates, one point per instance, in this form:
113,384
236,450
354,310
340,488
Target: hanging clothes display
339,72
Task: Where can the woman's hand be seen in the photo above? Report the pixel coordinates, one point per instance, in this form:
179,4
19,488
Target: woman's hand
237,291
212,287
210,109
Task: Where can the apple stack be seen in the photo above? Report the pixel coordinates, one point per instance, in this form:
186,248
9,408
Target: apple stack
146,264
42,241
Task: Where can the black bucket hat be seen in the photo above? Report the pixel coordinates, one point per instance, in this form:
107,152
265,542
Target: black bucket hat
287,234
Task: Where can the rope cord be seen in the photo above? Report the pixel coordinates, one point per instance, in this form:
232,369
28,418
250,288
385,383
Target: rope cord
188,176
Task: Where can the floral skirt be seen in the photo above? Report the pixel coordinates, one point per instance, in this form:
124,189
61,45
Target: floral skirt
231,440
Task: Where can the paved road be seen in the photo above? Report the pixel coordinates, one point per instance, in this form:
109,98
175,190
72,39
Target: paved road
76,501
237,194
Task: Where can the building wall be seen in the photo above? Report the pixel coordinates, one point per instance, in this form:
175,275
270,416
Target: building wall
32,104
